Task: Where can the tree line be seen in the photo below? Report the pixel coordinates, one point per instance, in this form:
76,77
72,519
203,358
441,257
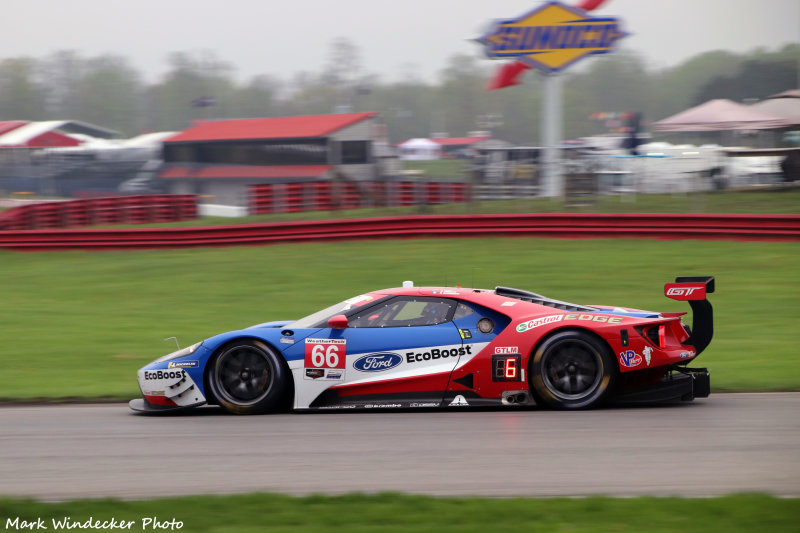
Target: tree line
108,92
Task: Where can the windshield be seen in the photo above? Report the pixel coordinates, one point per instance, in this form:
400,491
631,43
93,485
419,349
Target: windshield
320,318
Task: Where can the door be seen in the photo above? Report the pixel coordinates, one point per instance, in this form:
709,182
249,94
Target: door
397,353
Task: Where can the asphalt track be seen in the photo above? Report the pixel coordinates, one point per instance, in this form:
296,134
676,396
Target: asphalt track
723,444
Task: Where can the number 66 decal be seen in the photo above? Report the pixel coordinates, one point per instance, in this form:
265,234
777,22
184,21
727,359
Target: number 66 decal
325,353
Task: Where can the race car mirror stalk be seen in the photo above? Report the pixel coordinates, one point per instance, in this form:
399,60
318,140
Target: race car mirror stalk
694,289
338,322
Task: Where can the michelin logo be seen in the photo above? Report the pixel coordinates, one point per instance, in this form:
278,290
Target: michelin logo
184,364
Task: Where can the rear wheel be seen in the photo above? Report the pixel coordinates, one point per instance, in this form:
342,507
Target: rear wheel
571,370
247,377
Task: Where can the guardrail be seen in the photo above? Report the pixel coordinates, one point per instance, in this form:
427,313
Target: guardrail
562,225
137,209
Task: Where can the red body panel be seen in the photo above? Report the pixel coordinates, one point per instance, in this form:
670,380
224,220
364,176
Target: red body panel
431,382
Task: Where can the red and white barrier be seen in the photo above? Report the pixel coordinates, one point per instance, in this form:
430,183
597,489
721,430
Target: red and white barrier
139,209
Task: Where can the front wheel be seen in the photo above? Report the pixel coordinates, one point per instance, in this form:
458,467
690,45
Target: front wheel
247,377
571,370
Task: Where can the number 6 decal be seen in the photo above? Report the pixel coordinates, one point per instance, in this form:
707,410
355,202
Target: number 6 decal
325,353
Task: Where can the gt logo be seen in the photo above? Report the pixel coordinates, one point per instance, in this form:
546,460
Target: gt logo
685,291
325,353
678,291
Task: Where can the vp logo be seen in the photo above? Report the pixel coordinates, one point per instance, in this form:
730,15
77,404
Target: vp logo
630,359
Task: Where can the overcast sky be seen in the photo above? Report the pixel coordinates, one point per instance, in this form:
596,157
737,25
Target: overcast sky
282,38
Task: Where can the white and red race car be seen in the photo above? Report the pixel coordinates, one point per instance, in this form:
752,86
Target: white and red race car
427,347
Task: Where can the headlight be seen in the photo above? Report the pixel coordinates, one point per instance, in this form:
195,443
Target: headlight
189,350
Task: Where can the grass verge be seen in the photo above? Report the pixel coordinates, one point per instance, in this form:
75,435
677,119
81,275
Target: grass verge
79,324
390,512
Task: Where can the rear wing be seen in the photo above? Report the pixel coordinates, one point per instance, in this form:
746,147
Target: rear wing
695,289
690,288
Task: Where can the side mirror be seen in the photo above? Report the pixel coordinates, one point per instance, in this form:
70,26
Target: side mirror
338,322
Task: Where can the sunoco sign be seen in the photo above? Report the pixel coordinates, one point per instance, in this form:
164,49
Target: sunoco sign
552,37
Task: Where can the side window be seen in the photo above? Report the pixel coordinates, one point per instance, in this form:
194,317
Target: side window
404,312
462,310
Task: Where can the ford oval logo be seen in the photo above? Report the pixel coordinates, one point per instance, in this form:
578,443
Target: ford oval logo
377,362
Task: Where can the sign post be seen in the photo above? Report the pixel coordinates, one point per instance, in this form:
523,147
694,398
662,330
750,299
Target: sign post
550,38
552,119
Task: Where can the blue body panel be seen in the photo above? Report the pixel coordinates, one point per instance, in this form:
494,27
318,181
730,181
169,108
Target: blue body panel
633,313
269,332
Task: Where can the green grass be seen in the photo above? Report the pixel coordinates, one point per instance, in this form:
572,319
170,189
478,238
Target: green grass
79,324
390,512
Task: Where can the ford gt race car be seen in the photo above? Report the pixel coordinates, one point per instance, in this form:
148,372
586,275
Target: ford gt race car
426,347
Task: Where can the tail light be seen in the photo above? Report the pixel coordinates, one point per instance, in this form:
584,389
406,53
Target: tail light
656,334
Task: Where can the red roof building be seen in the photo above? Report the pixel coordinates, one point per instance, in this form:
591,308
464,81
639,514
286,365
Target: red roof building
459,146
459,141
300,127
221,159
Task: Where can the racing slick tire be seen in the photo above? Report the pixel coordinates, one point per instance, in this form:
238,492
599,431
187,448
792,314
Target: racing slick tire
571,369
247,377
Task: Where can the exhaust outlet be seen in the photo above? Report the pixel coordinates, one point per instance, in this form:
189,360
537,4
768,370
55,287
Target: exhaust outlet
517,398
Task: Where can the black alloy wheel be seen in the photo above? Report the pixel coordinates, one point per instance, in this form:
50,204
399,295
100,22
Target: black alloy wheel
247,377
572,370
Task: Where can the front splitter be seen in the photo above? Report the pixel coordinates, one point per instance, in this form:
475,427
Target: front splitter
142,406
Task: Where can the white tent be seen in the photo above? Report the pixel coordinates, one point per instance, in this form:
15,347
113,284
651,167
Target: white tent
143,147
419,149
719,115
785,105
